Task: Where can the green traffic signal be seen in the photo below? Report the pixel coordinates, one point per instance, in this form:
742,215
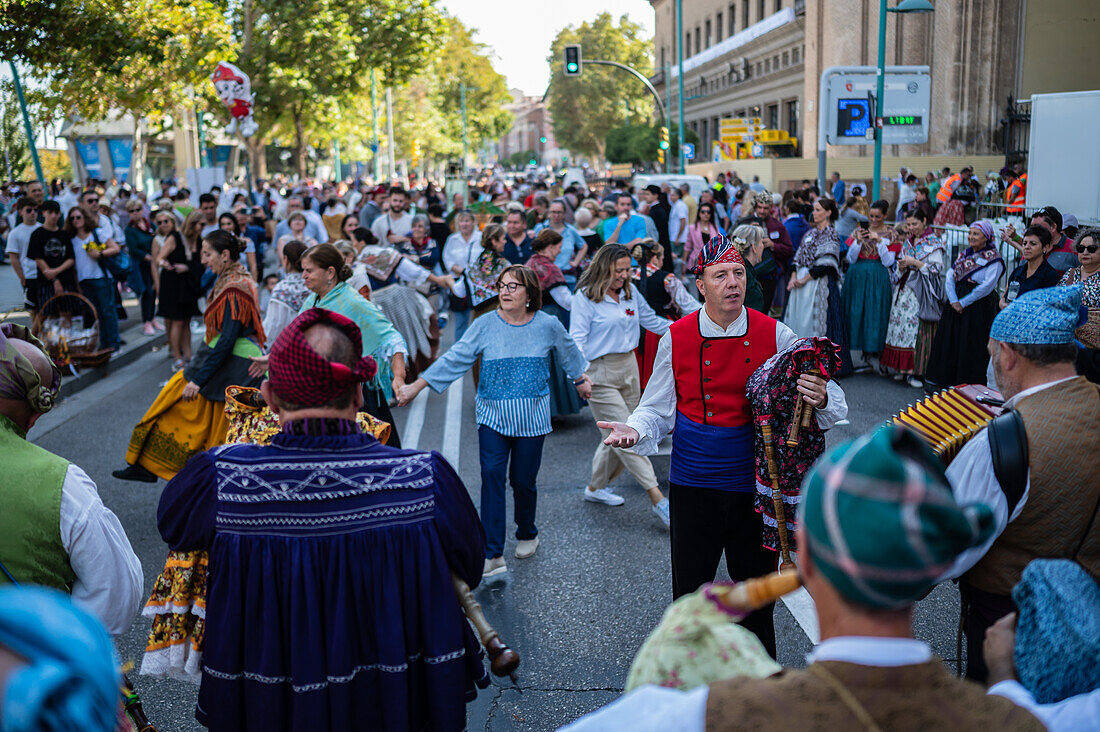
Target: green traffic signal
664,144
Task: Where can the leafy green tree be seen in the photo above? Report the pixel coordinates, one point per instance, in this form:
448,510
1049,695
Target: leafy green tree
585,108
640,143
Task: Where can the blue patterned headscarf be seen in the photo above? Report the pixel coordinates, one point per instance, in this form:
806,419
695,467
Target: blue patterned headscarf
1047,316
70,680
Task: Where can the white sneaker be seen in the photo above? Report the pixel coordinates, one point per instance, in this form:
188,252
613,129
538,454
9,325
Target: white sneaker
661,509
603,495
493,567
915,382
526,548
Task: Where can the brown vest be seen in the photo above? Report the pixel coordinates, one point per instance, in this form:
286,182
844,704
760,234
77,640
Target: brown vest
1059,519
900,698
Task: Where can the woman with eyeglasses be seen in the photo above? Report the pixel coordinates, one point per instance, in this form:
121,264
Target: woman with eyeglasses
175,276
959,354
704,229
514,344
1088,275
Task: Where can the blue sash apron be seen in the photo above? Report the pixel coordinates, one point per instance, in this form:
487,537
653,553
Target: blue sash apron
706,456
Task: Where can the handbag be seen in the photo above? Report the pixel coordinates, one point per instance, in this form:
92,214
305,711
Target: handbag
930,296
116,266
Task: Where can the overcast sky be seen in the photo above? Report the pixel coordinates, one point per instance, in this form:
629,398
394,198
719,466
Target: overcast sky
520,33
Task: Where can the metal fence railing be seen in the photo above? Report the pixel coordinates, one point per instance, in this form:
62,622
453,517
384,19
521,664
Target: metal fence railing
955,240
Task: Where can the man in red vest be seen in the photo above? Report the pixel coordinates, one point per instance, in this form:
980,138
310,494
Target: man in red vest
698,388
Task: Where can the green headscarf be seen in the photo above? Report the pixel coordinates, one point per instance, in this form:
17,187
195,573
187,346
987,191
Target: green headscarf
18,378
881,522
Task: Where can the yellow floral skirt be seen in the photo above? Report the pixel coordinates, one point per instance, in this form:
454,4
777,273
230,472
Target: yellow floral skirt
177,605
173,430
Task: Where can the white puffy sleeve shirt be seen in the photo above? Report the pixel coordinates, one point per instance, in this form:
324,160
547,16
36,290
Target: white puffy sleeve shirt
656,413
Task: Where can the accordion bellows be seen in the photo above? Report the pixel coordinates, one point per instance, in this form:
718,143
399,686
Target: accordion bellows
949,418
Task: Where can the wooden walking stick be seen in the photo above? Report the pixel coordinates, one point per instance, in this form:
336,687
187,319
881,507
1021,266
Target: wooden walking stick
777,496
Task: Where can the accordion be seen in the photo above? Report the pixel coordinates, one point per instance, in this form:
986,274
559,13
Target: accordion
949,418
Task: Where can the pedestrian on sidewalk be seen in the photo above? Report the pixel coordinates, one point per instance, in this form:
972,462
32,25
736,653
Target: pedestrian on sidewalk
188,416
177,273
698,387
605,321
331,557
514,344
90,246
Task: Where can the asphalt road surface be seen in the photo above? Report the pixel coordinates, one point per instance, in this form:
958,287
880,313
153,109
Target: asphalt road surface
577,611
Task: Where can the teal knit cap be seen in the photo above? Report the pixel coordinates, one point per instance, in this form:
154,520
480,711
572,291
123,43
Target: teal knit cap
881,522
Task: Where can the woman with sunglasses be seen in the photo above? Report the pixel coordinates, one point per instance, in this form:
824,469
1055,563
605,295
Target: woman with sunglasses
175,276
704,229
1088,275
513,401
959,354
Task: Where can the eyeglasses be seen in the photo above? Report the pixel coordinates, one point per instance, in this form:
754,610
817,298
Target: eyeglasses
1090,248
508,286
93,200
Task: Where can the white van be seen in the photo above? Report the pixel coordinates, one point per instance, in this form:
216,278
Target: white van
697,182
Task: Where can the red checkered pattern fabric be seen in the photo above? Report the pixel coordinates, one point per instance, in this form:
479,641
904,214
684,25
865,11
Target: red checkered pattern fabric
719,250
300,376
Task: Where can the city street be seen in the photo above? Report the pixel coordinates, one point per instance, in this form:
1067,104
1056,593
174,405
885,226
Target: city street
576,612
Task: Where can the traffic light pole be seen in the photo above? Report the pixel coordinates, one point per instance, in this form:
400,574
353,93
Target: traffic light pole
680,77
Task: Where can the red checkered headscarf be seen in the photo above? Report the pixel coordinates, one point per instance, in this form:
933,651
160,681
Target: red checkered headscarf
299,375
718,250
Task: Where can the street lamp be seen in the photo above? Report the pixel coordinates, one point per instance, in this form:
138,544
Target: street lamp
905,6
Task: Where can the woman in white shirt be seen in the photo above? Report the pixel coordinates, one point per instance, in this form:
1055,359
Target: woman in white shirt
461,250
606,318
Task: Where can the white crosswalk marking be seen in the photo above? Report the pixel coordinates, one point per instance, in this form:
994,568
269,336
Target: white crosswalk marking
452,424
414,421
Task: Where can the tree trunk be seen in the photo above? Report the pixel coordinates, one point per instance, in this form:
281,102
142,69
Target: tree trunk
137,157
299,143
257,160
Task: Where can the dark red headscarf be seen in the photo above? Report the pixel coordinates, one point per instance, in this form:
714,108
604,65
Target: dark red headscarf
298,375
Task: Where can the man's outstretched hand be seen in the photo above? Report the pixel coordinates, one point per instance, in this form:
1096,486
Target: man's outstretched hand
621,435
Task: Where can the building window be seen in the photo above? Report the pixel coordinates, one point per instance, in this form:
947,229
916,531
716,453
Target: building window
792,117
718,28
757,70
687,44
733,18
763,10
786,59
778,5
767,65
708,34
772,117
744,14
740,113
663,57
794,55
703,134
698,45
775,62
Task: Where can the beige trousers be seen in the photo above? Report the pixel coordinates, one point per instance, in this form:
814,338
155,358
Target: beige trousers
616,389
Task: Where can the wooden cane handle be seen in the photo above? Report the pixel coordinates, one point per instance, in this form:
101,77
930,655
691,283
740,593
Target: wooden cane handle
503,661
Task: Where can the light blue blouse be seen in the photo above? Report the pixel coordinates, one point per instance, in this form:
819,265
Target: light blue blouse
513,395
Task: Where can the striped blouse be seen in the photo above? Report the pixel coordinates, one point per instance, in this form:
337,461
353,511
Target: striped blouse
513,394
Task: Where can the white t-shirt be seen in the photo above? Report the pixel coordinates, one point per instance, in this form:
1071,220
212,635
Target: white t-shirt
386,223
679,212
18,241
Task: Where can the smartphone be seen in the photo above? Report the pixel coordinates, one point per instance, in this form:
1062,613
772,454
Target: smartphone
865,225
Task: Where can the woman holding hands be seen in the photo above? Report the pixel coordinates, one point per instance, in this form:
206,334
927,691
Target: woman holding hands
513,401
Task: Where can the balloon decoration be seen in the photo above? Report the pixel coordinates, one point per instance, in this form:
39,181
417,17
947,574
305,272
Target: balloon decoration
235,90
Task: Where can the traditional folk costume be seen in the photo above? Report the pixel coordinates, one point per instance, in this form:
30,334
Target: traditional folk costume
908,337
556,301
174,429
698,388
393,282
881,525
1055,513
303,535
959,354
286,300
866,296
816,308
380,341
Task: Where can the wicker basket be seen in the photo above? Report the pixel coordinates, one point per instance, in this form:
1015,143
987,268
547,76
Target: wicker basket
66,350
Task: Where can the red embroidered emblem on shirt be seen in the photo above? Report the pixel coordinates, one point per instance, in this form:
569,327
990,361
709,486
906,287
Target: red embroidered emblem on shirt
629,312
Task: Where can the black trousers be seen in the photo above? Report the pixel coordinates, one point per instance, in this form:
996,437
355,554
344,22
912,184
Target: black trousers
704,522
375,404
981,609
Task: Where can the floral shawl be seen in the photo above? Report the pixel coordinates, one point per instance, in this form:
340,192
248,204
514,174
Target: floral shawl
549,274
815,244
1090,286
971,261
291,291
236,290
483,276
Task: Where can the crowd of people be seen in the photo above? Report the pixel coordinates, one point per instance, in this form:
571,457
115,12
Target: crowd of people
658,309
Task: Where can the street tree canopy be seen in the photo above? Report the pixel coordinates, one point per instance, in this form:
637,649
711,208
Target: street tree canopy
585,107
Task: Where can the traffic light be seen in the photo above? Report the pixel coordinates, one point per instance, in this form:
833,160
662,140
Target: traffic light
664,138
416,150
661,157
573,60
543,139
